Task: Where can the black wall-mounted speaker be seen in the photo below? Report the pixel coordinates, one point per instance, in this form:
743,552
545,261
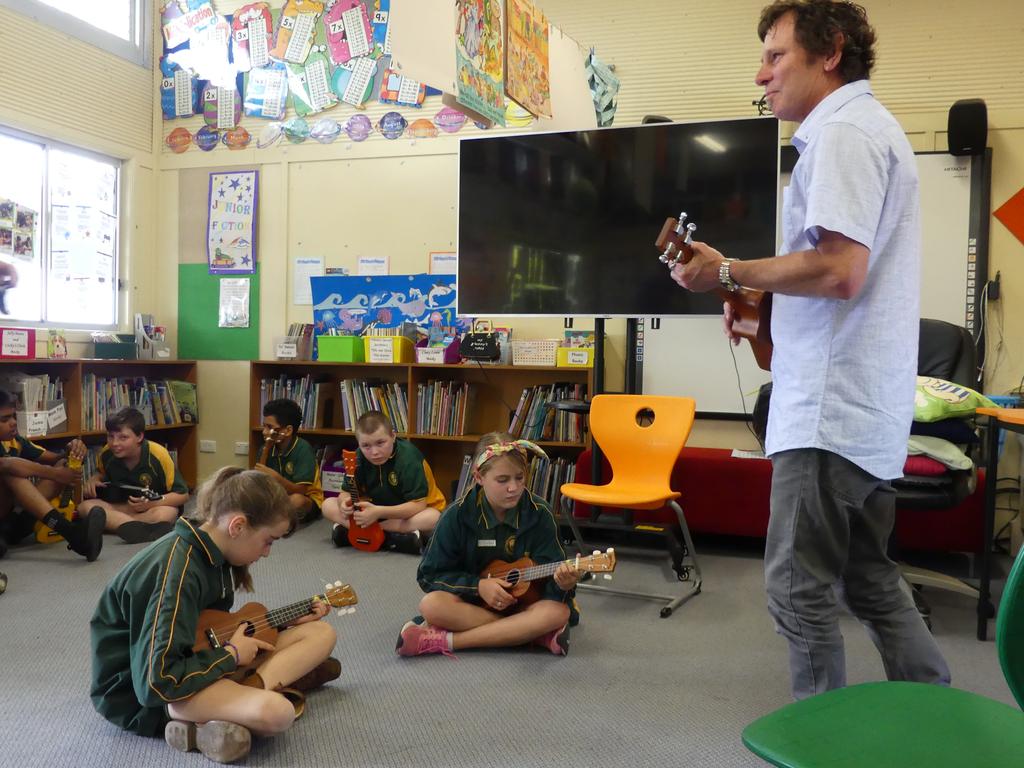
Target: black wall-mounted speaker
968,127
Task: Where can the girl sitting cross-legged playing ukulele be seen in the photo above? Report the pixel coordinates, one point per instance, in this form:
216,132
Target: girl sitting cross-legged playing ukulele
149,673
498,519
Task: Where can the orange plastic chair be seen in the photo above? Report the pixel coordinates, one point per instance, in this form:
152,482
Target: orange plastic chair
641,435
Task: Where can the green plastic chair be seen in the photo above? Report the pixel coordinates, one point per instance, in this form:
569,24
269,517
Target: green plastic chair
889,724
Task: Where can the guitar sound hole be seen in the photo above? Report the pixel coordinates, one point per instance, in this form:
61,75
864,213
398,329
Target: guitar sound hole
250,630
512,577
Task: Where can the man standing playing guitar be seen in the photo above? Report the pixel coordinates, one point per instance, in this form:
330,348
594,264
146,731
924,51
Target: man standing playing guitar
845,332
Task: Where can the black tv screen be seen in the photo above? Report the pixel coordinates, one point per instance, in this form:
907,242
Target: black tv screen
564,224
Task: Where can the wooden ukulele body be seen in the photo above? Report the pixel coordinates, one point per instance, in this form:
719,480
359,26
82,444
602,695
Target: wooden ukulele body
369,538
525,592
224,624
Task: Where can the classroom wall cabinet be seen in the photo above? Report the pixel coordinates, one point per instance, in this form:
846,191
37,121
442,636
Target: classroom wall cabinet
496,392
179,437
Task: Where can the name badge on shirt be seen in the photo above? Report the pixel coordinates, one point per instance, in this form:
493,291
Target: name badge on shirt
487,543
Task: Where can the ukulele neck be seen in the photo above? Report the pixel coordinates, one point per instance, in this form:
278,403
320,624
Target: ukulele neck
280,617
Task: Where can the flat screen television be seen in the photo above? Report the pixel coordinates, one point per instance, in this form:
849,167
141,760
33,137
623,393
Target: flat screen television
564,224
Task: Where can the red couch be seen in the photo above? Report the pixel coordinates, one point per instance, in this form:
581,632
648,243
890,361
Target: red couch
726,495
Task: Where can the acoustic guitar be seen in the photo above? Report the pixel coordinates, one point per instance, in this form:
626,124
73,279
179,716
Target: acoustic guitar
64,504
523,573
752,308
371,537
216,627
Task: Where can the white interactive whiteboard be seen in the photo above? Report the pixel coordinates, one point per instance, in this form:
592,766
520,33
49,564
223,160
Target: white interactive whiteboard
690,356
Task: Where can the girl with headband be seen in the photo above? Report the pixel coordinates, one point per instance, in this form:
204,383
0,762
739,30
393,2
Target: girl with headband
498,519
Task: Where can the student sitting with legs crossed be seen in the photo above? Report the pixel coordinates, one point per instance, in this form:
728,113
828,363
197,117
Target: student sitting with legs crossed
130,459
148,677
291,461
498,519
397,485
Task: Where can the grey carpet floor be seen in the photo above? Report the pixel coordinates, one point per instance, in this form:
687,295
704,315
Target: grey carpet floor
635,689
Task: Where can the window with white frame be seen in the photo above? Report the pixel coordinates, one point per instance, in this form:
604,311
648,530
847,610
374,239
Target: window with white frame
59,228
117,26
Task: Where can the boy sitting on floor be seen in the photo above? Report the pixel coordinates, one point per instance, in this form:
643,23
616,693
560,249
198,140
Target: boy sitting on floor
129,459
21,461
291,460
396,484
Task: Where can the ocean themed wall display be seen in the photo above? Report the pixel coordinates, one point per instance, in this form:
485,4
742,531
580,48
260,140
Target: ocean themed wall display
231,226
296,30
251,34
347,304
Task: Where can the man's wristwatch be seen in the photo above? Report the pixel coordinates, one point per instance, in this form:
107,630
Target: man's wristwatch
725,276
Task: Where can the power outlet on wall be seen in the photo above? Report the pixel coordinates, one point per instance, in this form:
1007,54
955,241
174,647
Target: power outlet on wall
242,448
207,446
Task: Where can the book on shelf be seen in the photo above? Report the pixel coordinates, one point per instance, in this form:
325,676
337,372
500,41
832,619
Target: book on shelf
534,420
361,395
465,476
545,478
184,395
156,399
441,407
312,397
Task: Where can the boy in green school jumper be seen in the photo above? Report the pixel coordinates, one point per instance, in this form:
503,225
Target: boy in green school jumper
291,460
130,459
21,462
397,488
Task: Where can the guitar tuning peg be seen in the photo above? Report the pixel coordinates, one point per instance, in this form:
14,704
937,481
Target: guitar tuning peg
607,576
327,587
597,551
337,584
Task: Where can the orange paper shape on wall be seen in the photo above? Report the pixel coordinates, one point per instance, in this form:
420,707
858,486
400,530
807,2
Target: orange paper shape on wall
1011,213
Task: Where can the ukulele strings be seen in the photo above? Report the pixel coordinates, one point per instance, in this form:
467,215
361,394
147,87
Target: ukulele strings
546,569
280,615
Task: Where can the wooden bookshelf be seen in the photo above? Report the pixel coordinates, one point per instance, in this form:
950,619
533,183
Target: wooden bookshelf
497,392
182,438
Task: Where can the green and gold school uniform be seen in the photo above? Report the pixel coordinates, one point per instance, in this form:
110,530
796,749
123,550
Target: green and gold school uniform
469,537
404,477
144,626
22,448
297,464
155,470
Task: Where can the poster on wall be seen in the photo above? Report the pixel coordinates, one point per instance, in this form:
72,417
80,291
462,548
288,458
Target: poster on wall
527,74
480,57
348,304
231,228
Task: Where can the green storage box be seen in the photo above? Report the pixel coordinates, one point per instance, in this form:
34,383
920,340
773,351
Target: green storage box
340,349
125,349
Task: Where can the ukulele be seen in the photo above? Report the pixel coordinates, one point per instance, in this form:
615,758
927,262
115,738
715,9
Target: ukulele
268,443
522,573
752,308
216,627
370,538
64,504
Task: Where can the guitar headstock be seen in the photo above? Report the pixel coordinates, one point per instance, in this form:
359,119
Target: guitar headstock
599,562
341,596
675,241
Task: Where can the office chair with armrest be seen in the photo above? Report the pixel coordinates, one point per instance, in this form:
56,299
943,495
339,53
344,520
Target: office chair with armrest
641,436
945,351
906,724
